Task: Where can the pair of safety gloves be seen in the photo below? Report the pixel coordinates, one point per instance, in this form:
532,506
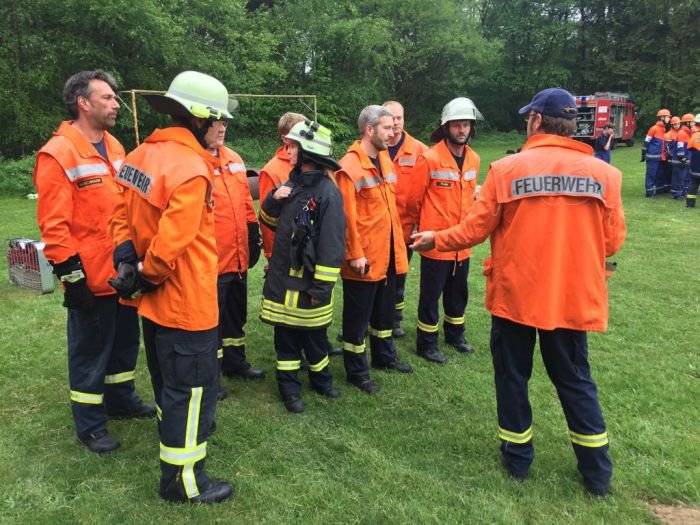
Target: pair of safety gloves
129,282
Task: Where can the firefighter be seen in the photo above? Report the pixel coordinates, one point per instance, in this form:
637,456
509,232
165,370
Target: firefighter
306,213
238,247
553,213
167,217
675,156
684,135
653,152
694,173
273,175
442,196
404,151
374,250
74,176
605,143
276,172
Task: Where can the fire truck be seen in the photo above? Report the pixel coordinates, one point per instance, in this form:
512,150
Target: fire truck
594,111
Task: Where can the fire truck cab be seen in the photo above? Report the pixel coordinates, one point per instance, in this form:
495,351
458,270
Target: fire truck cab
594,111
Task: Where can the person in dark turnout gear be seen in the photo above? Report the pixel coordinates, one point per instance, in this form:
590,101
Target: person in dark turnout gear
167,217
74,175
306,213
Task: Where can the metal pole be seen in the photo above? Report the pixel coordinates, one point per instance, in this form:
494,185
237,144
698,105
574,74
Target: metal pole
136,118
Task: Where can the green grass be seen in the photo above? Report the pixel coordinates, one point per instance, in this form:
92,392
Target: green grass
424,450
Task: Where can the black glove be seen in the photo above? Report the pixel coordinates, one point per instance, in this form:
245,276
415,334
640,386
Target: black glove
254,243
130,283
124,253
76,294
644,155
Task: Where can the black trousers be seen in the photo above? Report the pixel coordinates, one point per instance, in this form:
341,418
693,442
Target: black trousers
693,186
103,346
368,305
449,279
289,345
401,292
565,357
184,373
232,297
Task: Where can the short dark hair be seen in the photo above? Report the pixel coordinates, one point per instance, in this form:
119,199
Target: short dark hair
609,125
558,126
79,86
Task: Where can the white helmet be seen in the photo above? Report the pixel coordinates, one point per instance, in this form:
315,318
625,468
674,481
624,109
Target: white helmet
460,108
193,93
697,118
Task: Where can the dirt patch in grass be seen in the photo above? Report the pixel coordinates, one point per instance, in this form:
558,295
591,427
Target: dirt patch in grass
676,515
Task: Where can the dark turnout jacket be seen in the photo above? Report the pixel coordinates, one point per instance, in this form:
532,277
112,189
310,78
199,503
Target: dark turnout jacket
307,253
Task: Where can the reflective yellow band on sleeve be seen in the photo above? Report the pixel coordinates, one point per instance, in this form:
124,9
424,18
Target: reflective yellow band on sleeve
272,221
382,334
289,366
401,305
296,273
219,353
592,441
355,349
159,412
326,273
323,363
515,437
430,328
454,320
123,377
233,341
183,456
86,398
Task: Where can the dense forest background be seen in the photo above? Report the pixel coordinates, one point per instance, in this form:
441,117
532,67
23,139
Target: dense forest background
349,53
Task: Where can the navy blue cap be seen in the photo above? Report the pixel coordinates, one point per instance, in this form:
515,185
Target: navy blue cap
553,102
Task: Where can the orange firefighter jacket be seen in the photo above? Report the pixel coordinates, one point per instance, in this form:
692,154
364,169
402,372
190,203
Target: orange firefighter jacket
442,194
77,195
404,163
168,213
233,210
272,176
654,142
371,215
554,213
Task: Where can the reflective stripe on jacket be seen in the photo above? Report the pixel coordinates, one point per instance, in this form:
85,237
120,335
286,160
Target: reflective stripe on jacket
553,213
443,195
272,176
371,215
404,164
167,212
233,210
77,195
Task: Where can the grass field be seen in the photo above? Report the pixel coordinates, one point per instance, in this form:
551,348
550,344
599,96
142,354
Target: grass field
424,450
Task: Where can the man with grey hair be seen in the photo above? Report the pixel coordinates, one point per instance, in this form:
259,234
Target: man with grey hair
375,252
74,174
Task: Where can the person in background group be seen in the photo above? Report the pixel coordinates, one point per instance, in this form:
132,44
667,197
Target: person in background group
74,176
675,155
306,213
443,194
694,173
654,153
238,247
164,231
605,143
375,250
553,213
404,151
683,139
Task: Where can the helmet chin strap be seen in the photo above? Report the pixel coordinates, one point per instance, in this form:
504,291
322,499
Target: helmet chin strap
199,133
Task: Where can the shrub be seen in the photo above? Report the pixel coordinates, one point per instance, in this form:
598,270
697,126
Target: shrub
16,176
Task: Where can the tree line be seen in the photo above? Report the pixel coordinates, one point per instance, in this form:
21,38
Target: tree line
349,53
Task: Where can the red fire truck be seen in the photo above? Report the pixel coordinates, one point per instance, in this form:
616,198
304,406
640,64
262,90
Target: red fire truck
594,111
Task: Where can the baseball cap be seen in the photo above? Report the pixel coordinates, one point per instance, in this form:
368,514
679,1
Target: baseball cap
553,102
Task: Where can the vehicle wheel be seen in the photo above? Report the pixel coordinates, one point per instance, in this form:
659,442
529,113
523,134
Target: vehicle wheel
630,143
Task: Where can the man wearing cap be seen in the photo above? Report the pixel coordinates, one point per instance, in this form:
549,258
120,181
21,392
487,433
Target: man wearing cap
404,150
375,252
74,175
442,195
654,153
167,259
551,228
